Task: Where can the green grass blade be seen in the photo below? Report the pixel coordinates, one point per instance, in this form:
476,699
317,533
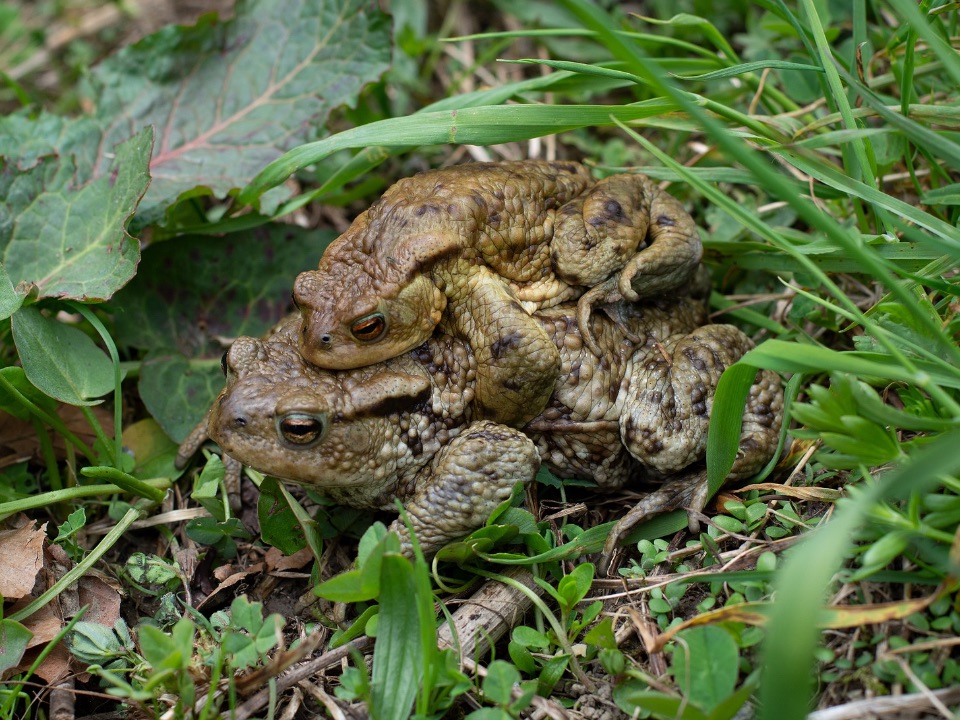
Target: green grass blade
398,653
862,169
785,356
910,10
744,68
793,632
486,125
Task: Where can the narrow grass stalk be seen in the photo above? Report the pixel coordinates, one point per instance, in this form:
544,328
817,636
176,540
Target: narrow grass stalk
862,169
72,493
801,584
51,420
91,318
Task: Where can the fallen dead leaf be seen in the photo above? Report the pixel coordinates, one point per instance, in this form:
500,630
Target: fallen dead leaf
21,558
102,601
216,596
278,562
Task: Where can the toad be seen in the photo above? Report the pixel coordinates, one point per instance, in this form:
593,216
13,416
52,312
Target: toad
480,246
405,428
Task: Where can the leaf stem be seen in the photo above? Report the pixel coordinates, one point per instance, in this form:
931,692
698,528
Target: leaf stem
91,318
51,420
80,491
49,456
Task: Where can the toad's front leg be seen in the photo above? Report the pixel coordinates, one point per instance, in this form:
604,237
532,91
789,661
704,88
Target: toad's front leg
517,361
466,481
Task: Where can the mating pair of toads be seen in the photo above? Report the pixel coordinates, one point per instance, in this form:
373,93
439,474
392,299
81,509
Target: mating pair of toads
479,320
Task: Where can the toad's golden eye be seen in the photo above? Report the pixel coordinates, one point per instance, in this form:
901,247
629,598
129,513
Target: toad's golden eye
369,328
301,429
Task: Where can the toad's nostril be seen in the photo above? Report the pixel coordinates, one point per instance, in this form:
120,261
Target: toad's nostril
326,340
240,421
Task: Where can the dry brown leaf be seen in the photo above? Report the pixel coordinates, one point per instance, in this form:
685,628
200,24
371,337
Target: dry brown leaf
278,562
216,596
55,666
21,557
45,623
102,601
817,494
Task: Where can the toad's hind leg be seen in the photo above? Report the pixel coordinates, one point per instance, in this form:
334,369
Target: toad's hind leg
517,361
667,410
466,481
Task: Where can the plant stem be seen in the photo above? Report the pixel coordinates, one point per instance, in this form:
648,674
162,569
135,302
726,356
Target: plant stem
72,493
51,420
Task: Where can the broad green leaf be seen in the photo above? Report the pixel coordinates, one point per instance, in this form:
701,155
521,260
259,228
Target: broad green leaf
74,522
206,487
13,641
10,298
177,391
706,665
18,380
60,360
97,644
574,586
168,652
278,523
229,97
346,587
499,682
726,421
191,292
398,654
61,224
153,450
530,638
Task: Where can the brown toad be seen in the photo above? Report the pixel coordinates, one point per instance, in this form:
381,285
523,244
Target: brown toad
404,428
479,246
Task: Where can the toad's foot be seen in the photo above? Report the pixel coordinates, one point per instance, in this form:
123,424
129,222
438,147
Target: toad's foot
671,256
517,361
606,294
464,483
232,468
688,490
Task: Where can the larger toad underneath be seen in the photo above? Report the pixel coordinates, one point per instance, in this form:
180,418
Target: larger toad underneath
405,428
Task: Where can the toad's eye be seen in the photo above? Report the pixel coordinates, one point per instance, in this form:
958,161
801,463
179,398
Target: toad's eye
301,429
223,363
369,328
